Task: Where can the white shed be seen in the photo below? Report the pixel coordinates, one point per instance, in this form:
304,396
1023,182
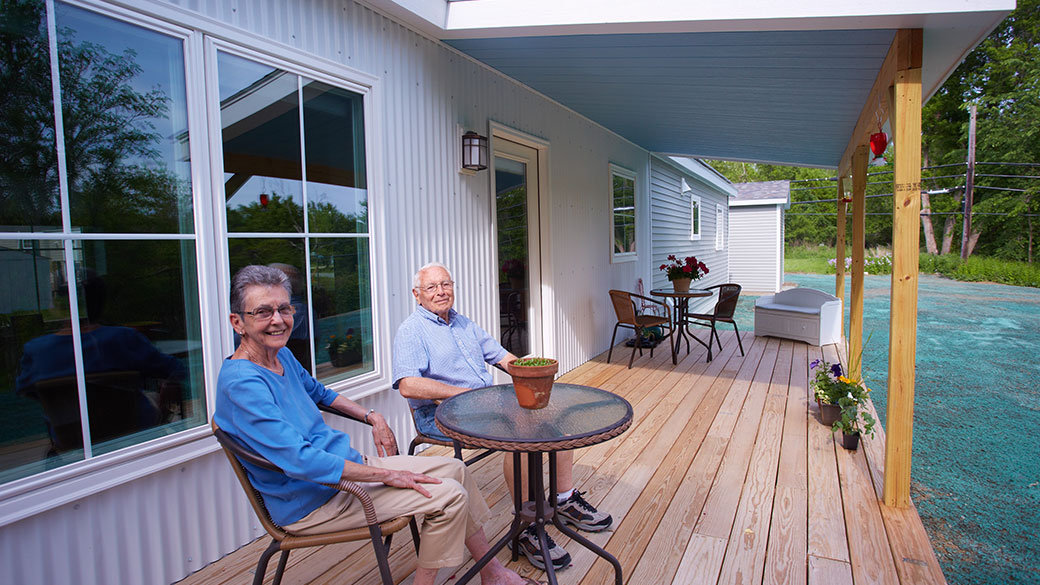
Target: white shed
756,251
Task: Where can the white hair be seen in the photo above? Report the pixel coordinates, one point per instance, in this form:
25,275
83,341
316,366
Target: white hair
417,279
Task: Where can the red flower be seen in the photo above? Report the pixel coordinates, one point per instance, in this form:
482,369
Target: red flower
688,267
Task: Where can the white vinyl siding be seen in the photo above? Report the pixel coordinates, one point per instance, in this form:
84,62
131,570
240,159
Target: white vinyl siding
755,247
670,224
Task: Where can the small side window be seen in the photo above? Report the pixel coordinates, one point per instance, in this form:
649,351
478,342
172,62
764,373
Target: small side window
720,227
623,214
695,217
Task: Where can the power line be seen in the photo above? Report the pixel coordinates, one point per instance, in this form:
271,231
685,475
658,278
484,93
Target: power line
1009,164
1002,188
922,213
1002,176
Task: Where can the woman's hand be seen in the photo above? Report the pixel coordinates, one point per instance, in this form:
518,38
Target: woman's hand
409,480
386,443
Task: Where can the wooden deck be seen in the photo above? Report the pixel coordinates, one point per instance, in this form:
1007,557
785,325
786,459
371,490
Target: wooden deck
726,476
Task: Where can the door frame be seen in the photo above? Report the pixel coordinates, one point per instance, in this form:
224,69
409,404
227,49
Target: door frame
545,344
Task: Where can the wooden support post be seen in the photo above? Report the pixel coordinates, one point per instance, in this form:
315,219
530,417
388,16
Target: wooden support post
906,211
859,209
839,266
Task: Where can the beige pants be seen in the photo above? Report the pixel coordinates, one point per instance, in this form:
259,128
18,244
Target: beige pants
452,515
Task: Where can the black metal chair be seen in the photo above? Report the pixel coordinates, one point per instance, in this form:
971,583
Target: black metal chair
629,317
725,307
380,533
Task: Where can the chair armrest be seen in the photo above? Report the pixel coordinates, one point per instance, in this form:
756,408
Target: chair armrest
504,371
246,455
331,410
362,495
667,309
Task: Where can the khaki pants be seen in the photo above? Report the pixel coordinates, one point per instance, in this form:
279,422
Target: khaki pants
452,515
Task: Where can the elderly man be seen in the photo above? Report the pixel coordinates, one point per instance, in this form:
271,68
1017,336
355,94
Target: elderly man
439,353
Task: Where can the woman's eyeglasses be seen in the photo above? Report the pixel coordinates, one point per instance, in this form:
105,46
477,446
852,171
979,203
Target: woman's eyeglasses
265,313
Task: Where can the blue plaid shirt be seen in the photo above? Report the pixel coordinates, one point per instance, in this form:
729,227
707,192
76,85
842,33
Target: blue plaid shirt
452,352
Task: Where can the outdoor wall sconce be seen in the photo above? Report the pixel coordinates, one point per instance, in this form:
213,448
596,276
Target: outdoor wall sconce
474,151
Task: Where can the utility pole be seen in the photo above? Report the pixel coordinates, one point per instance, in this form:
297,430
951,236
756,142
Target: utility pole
969,185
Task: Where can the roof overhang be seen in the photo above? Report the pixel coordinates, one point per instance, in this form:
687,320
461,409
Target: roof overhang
757,81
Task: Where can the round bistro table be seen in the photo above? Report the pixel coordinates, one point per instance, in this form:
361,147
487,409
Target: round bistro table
577,416
681,301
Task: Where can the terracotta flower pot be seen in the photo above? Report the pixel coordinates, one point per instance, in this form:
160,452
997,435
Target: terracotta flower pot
682,284
533,384
850,440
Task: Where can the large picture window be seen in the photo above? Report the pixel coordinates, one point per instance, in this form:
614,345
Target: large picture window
99,311
623,214
295,193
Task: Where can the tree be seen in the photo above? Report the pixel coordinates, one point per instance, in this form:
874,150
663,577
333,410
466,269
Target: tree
1002,78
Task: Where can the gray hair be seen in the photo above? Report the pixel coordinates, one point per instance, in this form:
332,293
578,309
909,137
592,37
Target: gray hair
255,275
417,279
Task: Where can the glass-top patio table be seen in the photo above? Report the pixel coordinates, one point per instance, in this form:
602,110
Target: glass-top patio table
577,416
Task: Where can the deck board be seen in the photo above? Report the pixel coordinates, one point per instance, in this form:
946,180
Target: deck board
725,477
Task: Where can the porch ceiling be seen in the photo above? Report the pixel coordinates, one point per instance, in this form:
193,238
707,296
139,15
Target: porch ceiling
786,96
754,81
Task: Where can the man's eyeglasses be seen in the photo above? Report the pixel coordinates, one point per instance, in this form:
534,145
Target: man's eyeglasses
265,313
432,288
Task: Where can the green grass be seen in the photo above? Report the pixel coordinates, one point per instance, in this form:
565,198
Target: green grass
982,269
809,259
814,260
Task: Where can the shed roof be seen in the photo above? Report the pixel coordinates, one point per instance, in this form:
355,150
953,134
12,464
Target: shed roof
762,193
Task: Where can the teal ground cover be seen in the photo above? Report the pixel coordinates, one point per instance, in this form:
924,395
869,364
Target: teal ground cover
976,456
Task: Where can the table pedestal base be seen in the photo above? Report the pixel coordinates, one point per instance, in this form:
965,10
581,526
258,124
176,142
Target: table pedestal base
537,512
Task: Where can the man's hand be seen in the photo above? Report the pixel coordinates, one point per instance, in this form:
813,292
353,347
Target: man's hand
410,480
386,443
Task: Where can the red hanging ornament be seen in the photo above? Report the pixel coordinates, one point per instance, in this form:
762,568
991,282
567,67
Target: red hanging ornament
878,143
263,199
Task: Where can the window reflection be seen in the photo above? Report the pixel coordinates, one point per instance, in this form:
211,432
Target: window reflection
124,111
341,280
262,126
334,130
28,161
624,201
263,168
141,356
287,255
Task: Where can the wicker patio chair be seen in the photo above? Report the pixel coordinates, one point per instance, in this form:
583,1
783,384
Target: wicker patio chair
380,533
725,306
627,316
421,439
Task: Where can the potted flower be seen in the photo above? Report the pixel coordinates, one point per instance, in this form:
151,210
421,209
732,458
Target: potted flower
345,350
829,386
682,272
854,421
533,380
514,270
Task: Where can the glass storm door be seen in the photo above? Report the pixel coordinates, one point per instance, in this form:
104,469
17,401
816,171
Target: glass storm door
519,256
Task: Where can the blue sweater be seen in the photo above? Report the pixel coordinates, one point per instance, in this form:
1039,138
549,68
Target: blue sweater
278,418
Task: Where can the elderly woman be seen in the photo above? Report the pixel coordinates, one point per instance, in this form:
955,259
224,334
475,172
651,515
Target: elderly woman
266,400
